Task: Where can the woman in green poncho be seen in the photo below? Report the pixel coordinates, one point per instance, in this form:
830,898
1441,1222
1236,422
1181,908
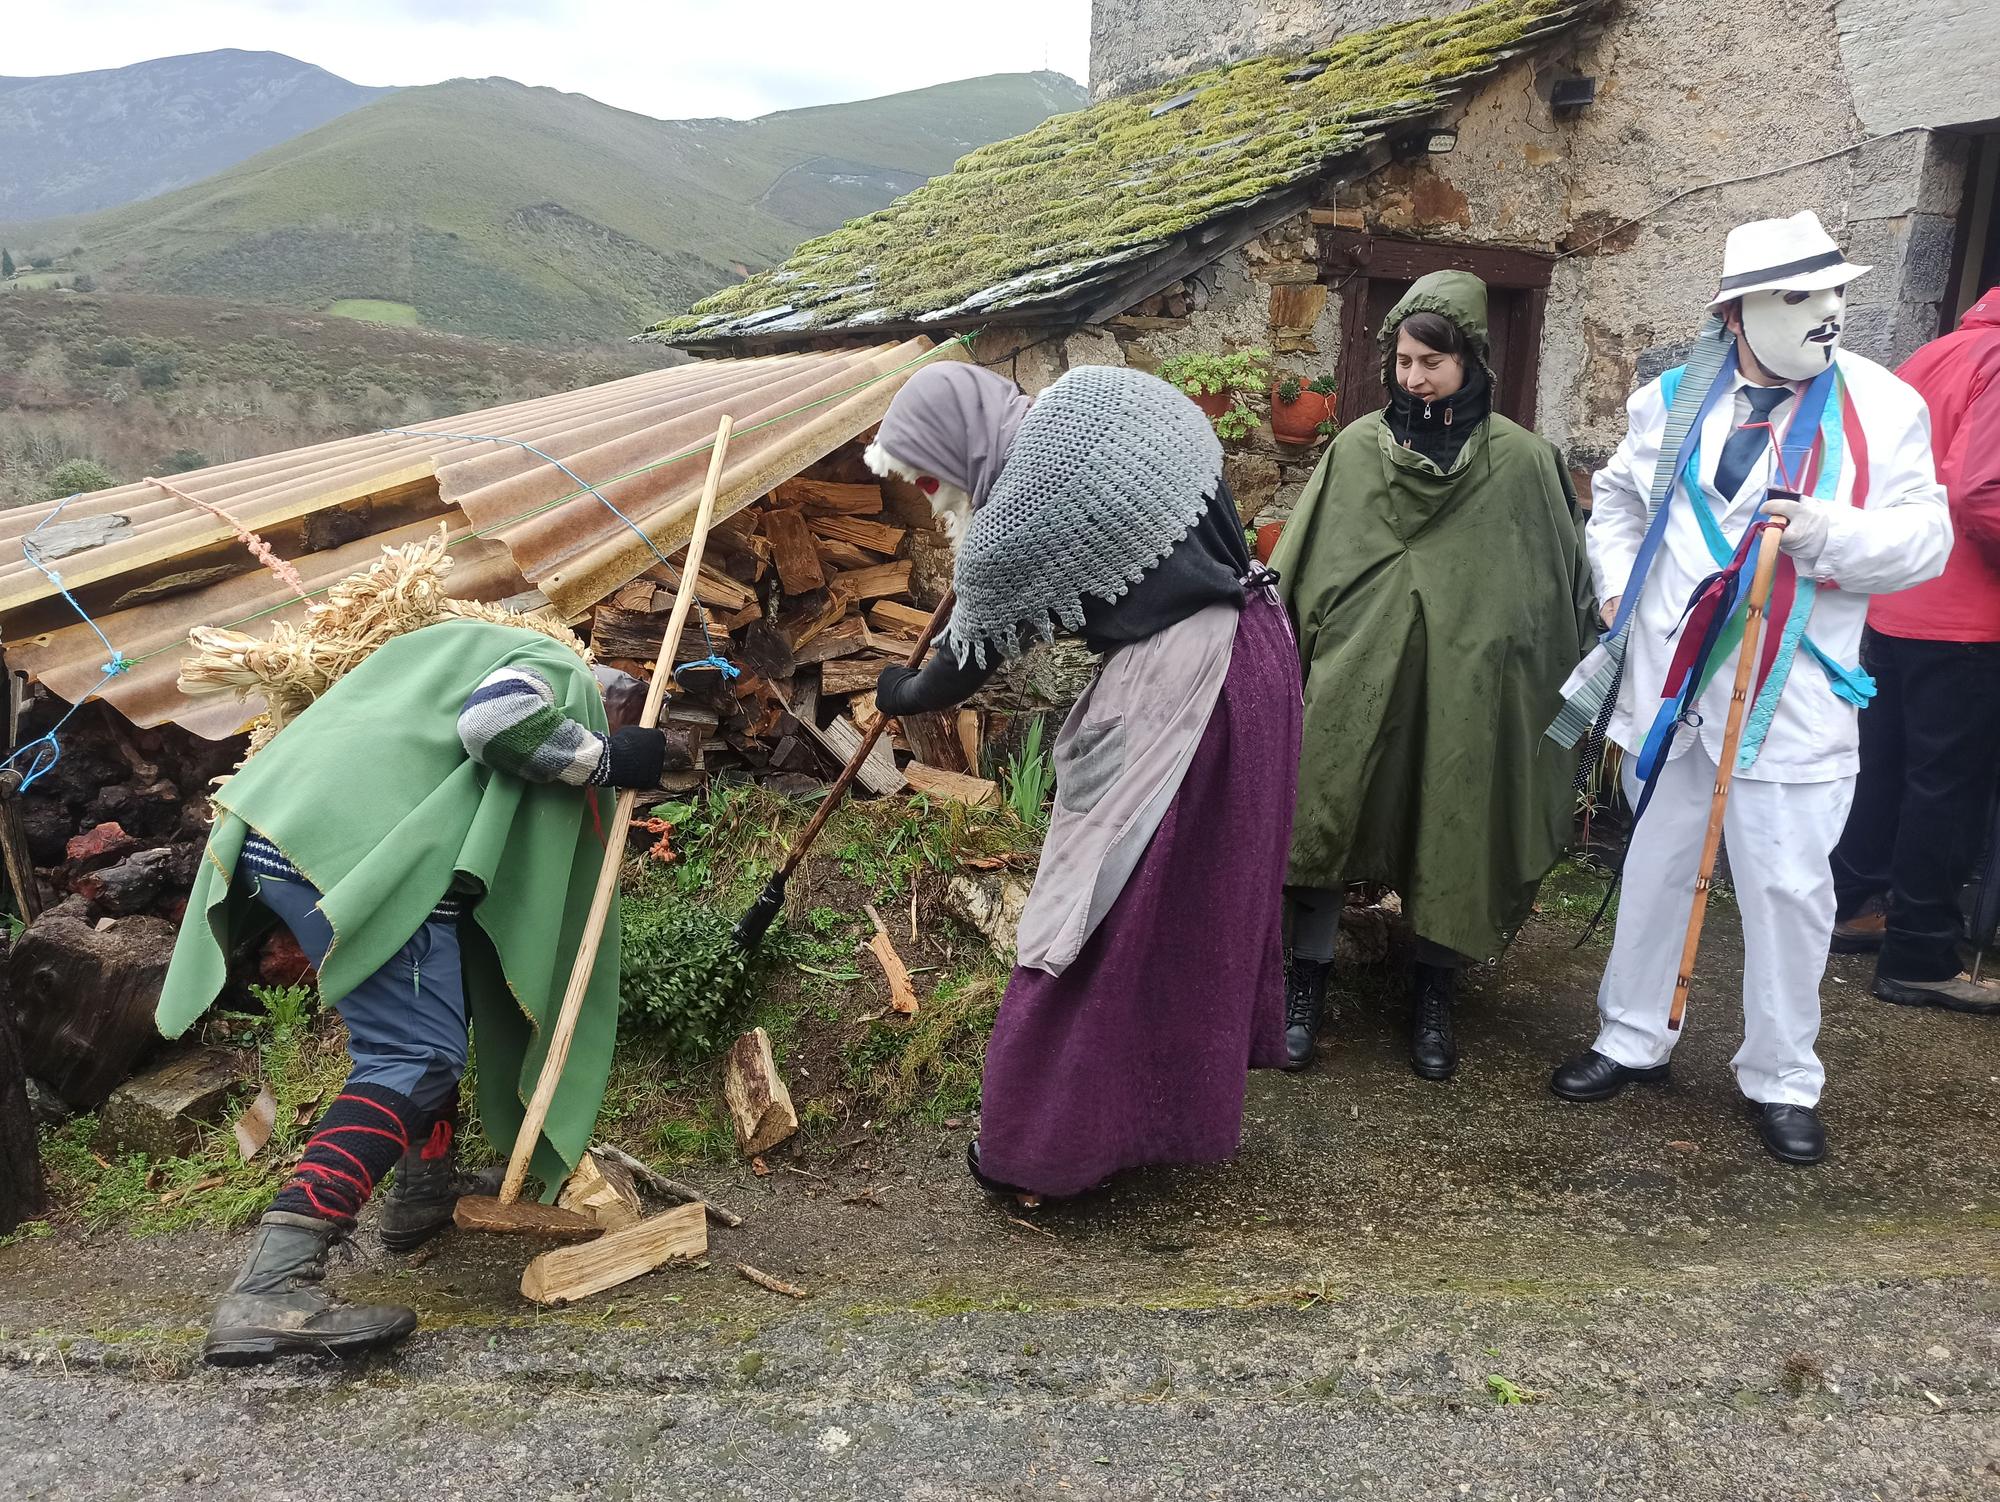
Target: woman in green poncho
1435,574
429,831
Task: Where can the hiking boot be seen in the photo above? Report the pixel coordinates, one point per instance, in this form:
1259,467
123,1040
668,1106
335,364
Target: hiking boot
276,1306
1960,994
1433,1049
1305,1000
1862,931
419,1200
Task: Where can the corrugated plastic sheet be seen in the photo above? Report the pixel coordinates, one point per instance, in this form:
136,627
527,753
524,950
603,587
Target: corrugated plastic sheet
148,566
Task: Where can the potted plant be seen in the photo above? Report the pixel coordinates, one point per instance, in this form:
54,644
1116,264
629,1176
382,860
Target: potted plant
1300,409
1216,384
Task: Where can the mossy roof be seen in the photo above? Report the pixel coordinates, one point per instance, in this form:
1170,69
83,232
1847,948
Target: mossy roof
1025,223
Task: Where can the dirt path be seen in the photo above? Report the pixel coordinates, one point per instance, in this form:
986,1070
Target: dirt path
1319,1319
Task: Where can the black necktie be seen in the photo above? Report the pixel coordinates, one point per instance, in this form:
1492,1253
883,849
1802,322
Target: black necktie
1747,444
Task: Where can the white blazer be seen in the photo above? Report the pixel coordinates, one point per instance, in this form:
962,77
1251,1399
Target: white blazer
1901,537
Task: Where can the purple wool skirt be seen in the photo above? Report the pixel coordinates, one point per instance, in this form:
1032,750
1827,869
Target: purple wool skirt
1139,1052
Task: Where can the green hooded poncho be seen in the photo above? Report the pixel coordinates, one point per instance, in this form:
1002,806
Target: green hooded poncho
1438,615
370,794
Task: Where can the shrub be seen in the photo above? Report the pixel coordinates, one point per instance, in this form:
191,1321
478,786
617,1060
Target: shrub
114,352
84,283
681,976
157,373
180,461
76,477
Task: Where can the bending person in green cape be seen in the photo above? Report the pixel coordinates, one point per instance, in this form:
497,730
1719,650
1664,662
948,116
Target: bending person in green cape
1436,577
429,831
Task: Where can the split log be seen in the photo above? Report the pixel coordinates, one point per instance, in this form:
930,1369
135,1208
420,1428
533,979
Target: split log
84,997
877,537
634,636
809,616
825,498
14,853
844,555
843,638
602,1191
653,1179
711,588
763,649
479,1212
21,1196
759,1104
902,995
792,546
575,1272
898,619
875,583
975,792
878,773
862,708
933,736
971,740
638,595
853,675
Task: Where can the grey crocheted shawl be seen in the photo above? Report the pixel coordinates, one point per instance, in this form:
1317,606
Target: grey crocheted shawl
1110,469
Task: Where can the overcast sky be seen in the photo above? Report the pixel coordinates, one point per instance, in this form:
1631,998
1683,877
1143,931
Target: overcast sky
671,58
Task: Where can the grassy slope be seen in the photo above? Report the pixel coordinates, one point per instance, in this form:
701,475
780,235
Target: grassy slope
526,213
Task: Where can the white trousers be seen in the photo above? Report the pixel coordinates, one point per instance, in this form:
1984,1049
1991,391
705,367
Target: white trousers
1779,836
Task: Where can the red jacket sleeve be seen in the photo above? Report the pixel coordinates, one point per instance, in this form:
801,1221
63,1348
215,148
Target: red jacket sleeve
1975,499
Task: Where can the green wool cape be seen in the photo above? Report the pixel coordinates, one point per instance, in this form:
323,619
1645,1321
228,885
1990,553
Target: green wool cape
371,795
1437,615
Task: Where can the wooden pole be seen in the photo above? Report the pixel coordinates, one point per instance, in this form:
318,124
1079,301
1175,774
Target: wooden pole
1732,738
614,848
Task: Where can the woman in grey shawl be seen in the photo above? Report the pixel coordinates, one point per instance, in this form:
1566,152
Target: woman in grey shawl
1150,970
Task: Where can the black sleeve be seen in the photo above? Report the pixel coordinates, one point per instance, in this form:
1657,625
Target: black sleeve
938,684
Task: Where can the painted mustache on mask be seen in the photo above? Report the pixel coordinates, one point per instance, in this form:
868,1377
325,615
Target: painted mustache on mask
1826,333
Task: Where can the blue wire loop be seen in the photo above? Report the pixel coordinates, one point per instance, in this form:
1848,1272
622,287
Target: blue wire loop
45,750
715,659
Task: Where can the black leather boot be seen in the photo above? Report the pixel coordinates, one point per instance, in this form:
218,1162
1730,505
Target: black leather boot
1433,1049
1305,1000
424,1191
276,1306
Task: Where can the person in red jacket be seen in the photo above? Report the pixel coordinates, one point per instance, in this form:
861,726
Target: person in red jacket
1928,741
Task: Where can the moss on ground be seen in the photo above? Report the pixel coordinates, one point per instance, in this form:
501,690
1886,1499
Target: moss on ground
1118,178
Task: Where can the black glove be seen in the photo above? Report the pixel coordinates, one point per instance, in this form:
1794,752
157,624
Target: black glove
891,689
637,757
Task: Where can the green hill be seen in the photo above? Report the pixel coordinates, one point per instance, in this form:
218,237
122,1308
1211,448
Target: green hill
510,212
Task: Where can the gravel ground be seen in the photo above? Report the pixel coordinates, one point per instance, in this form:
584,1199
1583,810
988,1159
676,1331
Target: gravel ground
1684,1318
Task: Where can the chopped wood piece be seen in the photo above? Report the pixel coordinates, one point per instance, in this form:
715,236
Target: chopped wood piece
902,995
711,588
776,1285
482,1212
635,636
933,736
824,498
874,583
852,675
604,1192
843,638
975,792
759,1104
576,1272
792,547
255,1125
638,595
970,740
874,536
878,773
862,707
736,620
653,1179
899,619
810,616
844,555
764,650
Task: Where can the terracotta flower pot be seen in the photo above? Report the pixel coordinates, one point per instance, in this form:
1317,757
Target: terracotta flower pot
1214,403
1267,540
1298,421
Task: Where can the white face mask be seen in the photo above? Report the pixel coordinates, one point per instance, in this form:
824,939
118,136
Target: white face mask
1794,334
950,506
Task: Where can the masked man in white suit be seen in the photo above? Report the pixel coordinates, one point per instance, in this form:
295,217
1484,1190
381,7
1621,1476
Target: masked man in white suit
1769,415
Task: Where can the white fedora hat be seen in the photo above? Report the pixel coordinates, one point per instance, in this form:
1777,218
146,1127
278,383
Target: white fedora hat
1791,255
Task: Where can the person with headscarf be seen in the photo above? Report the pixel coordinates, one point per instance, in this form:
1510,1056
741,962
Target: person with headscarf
1435,572
1149,973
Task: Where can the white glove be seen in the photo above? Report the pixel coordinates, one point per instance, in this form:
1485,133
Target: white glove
1806,528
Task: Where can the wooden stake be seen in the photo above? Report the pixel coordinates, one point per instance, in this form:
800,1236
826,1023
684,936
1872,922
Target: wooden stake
776,1285
575,1272
614,848
1732,738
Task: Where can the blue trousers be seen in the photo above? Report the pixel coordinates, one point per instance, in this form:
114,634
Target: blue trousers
406,1027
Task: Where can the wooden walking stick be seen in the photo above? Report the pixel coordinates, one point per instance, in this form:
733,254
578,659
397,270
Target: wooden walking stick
478,1212
1732,738
752,926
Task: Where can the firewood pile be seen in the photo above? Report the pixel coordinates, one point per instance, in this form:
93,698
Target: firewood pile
810,592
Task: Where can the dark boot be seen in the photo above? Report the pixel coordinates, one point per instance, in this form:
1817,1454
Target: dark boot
277,1307
1305,999
1433,1049
420,1198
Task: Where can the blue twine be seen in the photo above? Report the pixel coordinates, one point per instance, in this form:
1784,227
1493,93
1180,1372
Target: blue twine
714,659
46,748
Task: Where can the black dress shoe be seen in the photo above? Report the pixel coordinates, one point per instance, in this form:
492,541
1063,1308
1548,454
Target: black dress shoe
1792,1133
1433,1049
1305,1000
1591,1076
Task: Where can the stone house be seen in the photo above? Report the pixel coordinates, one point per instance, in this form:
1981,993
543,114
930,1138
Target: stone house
1275,172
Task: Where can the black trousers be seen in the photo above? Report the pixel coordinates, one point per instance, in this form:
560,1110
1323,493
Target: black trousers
1930,747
